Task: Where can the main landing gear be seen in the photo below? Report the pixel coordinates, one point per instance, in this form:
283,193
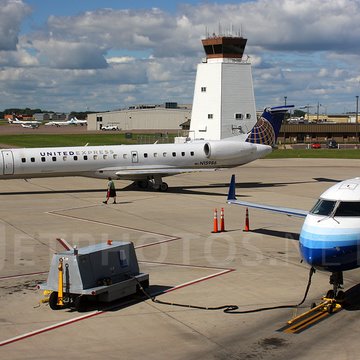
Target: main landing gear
153,182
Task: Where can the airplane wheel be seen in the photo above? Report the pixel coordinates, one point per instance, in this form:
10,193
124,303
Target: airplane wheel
79,303
53,298
340,296
143,184
164,187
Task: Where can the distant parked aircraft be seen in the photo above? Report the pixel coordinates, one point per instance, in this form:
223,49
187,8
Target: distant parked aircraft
16,121
72,121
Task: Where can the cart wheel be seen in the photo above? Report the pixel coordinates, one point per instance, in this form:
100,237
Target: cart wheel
79,303
53,298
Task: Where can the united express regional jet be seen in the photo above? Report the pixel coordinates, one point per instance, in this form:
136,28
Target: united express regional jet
145,164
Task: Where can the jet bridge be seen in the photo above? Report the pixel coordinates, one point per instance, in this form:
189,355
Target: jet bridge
106,272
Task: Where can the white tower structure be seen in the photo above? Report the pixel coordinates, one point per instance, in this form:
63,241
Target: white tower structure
224,103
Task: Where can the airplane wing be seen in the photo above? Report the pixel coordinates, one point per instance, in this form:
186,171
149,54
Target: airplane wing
128,173
231,199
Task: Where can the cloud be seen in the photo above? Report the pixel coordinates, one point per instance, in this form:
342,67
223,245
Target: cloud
12,14
65,54
106,58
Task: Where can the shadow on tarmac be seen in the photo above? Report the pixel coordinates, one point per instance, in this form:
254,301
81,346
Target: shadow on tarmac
193,190
282,234
90,304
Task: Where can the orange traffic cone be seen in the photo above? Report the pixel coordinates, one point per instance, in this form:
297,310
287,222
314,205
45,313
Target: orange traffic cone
247,225
215,222
222,221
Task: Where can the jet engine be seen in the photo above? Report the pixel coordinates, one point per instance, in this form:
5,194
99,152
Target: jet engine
221,150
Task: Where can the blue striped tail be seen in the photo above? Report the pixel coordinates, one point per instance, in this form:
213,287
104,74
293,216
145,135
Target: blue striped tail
267,128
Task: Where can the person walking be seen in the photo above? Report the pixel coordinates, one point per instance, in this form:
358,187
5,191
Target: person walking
111,191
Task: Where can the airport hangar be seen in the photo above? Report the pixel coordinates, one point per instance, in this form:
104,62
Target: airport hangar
145,118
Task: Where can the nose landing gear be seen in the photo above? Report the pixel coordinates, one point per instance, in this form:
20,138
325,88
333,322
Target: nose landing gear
335,296
336,280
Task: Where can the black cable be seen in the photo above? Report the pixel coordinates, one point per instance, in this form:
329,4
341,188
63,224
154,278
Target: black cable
229,309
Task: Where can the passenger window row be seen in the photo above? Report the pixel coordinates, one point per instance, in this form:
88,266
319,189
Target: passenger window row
164,154
74,157
96,157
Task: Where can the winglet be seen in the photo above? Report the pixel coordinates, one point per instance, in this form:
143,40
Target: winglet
231,193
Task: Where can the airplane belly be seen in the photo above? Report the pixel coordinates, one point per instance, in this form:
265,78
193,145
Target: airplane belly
334,247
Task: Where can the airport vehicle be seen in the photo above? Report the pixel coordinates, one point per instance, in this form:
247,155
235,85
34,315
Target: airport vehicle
16,121
330,235
145,164
316,145
104,271
72,121
332,144
110,127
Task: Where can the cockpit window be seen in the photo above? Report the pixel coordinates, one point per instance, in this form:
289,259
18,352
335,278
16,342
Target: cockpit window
348,208
323,207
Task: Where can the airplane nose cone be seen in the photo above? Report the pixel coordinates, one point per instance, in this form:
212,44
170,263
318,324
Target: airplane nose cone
326,249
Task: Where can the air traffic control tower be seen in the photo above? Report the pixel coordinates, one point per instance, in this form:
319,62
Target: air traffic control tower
224,103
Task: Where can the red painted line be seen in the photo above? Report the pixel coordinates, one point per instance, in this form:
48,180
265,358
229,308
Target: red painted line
157,242
196,281
186,265
49,328
93,314
84,317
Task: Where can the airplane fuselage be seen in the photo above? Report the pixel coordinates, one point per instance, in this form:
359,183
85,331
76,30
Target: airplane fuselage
127,161
330,236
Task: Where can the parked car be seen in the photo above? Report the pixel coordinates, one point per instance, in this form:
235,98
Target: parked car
316,145
332,144
110,127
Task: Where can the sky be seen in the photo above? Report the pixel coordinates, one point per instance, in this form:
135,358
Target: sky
98,55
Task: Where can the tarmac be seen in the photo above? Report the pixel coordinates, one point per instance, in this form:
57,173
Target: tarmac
187,264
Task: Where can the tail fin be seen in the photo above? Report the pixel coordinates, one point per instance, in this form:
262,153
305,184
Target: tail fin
267,128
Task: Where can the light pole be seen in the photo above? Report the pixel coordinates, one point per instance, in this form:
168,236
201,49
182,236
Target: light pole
318,108
356,118
285,97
